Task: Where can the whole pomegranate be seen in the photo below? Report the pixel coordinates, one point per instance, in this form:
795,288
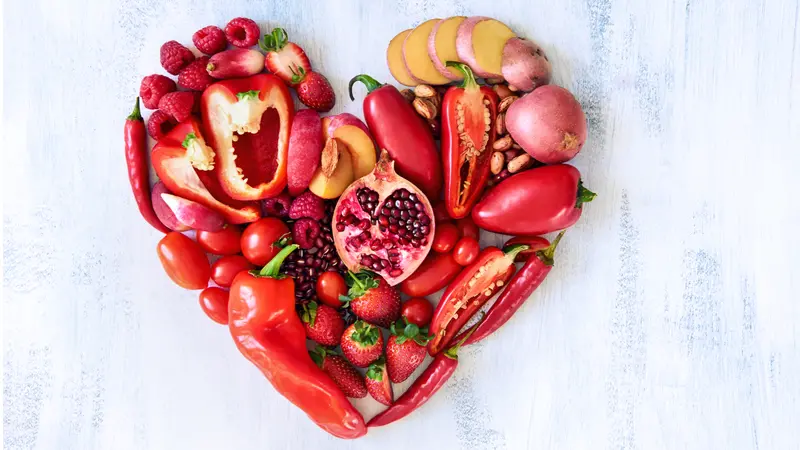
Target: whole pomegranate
383,223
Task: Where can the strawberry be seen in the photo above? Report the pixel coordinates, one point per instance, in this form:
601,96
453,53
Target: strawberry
314,90
284,58
405,350
342,372
372,299
378,384
362,343
323,324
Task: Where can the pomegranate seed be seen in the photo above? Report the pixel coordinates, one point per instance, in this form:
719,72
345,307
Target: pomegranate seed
395,273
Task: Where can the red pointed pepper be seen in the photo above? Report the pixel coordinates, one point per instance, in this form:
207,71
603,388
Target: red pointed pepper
469,112
268,332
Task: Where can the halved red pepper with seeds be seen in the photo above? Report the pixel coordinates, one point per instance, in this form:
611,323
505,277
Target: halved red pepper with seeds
471,289
186,165
247,122
469,113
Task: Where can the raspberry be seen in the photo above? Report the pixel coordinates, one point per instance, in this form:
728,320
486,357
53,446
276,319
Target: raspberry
174,57
305,233
179,105
242,32
159,124
194,76
277,206
210,40
154,87
307,205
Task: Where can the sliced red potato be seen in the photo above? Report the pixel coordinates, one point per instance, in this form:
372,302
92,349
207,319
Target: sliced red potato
394,58
480,42
415,55
442,46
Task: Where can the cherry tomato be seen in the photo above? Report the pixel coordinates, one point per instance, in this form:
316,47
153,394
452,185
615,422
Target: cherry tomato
466,251
259,240
184,261
226,268
227,241
436,272
417,310
330,285
214,302
445,237
536,243
467,228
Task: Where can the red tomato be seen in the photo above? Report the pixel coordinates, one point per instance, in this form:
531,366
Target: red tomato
535,242
184,261
214,302
440,213
260,238
417,310
467,228
330,285
445,237
226,268
227,241
466,251
433,274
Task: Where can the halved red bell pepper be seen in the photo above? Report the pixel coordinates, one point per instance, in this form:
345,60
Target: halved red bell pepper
186,165
469,112
471,289
247,122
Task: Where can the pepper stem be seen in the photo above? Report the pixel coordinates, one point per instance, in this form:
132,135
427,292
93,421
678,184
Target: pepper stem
469,77
547,254
273,268
452,352
584,195
136,114
512,250
369,82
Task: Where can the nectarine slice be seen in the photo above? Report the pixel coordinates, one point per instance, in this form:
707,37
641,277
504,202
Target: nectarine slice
480,42
415,55
394,58
361,148
335,172
442,46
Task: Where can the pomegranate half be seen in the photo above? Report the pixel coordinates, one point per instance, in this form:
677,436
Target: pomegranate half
383,223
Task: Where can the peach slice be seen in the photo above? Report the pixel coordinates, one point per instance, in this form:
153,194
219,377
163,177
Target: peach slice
335,172
338,120
362,150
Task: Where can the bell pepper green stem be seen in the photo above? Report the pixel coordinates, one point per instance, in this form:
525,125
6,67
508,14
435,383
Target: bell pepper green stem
584,195
369,82
547,254
273,268
136,114
469,77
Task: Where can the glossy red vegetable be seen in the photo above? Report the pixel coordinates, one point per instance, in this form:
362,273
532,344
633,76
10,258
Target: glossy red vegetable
467,228
402,132
535,243
330,286
471,289
214,302
184,261
417,310
445,238
466,251
263,239
225,269
469,112
138,169
268,332
521,286
534,202
224,242
433,274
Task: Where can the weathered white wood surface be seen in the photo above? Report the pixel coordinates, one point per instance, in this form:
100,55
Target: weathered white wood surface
671,320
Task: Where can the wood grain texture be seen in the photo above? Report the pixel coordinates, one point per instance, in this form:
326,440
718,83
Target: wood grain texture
671,320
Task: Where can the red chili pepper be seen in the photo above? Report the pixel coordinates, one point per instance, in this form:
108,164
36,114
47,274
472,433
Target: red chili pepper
402,132
469,112
436,272
428,383
471,289
521,286
268,332
138,170
534,202
535,243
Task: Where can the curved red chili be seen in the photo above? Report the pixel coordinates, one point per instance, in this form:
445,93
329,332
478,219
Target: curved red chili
138,170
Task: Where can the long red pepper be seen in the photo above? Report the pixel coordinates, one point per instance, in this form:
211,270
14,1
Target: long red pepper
521,286
432,379
138,170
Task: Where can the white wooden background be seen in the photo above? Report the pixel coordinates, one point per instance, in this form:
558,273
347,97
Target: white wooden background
671,320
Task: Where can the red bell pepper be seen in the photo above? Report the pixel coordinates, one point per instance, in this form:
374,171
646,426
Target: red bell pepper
469,112
268,332
402,132
247,122
471,289
536,201
185,164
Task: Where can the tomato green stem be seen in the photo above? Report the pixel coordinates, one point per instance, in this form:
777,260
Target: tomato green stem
584,195
469,77
136,114
369,82
512,250
547,254
273,268
452,352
